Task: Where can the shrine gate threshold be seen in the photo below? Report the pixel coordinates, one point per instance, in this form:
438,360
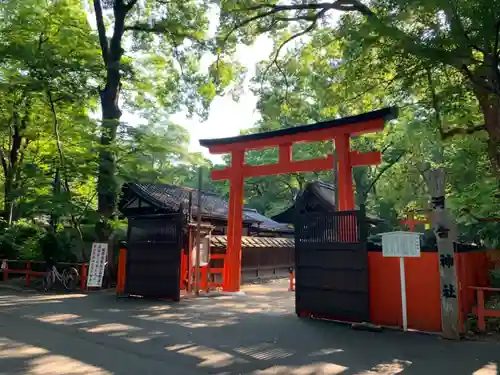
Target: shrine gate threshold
338,130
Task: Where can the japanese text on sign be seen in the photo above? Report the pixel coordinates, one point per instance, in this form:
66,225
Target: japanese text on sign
97,263
446,261
449,291
401,244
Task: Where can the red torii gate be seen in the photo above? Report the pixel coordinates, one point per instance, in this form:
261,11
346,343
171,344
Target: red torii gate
340,130
411,221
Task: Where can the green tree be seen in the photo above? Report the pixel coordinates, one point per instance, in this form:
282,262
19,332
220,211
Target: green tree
164,42
47,66
320,78
461,37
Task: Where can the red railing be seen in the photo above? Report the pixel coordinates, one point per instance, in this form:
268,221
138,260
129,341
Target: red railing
481,311
206,271
29,273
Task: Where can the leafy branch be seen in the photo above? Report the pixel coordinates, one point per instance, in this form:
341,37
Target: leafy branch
382,170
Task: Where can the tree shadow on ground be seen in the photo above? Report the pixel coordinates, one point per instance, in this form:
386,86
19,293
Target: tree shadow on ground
256,334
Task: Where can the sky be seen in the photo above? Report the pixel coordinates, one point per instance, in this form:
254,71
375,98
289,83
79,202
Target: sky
228,117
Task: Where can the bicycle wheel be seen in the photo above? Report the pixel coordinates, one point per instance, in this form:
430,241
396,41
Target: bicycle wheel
70,278
48,281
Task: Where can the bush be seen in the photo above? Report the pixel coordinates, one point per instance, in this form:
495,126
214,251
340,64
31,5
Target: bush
29,241
57,245
495,278
21,241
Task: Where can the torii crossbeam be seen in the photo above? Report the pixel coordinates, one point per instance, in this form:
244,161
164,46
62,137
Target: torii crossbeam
339,130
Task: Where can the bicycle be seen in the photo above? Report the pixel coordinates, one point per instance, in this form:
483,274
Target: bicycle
68,278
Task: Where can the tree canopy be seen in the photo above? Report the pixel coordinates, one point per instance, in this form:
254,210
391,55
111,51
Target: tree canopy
69,69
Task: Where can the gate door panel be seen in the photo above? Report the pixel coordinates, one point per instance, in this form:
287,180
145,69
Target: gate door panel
331,263
154,256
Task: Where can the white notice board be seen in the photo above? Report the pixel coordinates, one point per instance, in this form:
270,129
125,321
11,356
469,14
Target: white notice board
204,251
98,260
401,244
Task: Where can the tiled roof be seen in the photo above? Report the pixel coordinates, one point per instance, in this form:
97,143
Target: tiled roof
171,197
323,190
251,242
266,223
326,194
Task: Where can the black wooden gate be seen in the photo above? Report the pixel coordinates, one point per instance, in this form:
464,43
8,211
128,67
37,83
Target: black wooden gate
154,256
331,262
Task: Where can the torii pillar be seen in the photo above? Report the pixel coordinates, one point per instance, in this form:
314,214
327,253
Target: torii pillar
339,130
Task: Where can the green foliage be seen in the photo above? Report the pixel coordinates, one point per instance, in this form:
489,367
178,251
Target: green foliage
21,241
422,57
51,72
331,59
28,240
495,278
348,49
57,246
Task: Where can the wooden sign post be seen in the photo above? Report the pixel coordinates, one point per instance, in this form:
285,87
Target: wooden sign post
401,245
97,265
441,225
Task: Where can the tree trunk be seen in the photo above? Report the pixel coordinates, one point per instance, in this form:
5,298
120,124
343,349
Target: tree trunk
11,162
107,185
441,224
490,106
8,196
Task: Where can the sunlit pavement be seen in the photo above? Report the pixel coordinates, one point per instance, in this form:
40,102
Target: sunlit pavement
256,334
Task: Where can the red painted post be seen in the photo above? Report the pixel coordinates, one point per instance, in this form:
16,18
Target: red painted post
28,273
291,286
285,154
5,270
481,325
122,269
345,185
204,278
183,267
232,264
83,276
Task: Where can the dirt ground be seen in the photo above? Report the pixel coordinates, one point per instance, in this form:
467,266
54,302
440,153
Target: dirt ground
255,334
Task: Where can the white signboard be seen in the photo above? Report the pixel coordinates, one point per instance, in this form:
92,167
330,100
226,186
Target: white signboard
98,260
204,251
401,244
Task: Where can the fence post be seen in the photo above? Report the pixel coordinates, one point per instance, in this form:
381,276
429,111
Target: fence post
5,267
83,276
28,273
204,278
481,325
122,269
291,286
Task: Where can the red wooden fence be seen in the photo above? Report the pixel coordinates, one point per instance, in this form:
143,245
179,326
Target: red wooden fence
29,273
